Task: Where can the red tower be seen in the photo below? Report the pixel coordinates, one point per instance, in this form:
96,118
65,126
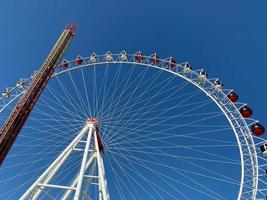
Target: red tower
23,108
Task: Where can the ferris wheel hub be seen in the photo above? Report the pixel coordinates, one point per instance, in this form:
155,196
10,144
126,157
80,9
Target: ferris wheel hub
93,121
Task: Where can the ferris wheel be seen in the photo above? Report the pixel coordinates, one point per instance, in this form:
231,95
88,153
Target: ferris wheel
130,126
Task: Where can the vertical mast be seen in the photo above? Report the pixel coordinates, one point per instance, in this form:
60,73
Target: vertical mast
22,110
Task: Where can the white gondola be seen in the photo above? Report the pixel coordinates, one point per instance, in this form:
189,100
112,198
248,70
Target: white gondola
263,149
203,76
108,56
123,56
187,69
6,93
218,85
20,84
93,58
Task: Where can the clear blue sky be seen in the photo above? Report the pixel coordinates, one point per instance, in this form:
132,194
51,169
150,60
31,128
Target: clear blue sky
227,38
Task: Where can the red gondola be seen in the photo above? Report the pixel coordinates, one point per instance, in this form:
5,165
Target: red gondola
79,60
245,111
65,64
171,63
257,129
155,59
138,57
233,96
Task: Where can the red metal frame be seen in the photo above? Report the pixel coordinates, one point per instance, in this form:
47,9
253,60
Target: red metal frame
99,141
23,108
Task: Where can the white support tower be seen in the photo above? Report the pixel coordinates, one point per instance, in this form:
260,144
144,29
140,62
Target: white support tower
91,171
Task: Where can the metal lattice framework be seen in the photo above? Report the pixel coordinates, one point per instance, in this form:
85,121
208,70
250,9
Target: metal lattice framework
253,164
92,157
17,118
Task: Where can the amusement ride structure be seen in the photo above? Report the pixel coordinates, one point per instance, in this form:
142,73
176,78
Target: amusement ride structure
129,133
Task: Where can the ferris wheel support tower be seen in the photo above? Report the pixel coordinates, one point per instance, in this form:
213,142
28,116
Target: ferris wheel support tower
23,108
91,171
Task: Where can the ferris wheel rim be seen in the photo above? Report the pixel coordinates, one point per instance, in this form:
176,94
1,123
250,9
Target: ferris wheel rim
162,66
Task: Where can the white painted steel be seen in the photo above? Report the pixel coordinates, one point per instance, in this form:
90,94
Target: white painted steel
103,192
54,167
42,182
84,161
74,183
245,140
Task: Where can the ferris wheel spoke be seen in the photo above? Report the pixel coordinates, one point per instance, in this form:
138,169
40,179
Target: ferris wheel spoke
130,94
177,146
151,105
53,119
105,101
173,126
130,121
137,173
73,103
28,170
119,179
95,101
169,116
161,113
73,166
135,193
126,79
39,169
159,119
53,147
121,115
159,136
183,157
165,135
86,93
78,94
29,180
25,182
140,125
102,91
111,111
185,147
105,94
46,144
47,119
132,158
58,100
114,84
129,113
134,102
49,136
124,96
126,140
158,174
160,164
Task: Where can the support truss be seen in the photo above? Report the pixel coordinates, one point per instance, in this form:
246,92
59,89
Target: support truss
91,173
